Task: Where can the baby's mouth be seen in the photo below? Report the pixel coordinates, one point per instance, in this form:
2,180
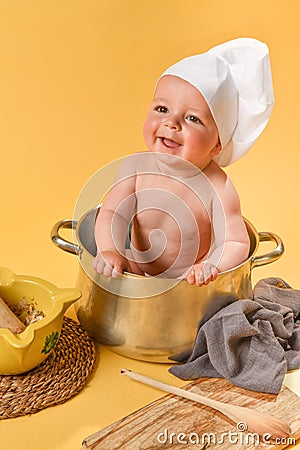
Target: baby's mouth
169,143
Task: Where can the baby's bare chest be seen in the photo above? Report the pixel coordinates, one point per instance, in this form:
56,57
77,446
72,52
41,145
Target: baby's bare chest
172,206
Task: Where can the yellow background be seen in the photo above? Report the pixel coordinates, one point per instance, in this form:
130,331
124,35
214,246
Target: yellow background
76,79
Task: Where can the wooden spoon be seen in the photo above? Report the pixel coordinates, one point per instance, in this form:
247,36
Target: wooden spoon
255,421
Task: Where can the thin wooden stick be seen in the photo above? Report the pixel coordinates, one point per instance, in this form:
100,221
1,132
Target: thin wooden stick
255,421
9,320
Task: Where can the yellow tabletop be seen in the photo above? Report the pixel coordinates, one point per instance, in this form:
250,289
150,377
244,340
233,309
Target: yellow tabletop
108,397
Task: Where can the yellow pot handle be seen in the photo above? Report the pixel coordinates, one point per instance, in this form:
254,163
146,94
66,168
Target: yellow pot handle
7,276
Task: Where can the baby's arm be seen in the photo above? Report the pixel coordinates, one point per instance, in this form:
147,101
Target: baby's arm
231,251
111,228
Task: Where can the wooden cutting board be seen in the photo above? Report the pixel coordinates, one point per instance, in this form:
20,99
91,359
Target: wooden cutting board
151,427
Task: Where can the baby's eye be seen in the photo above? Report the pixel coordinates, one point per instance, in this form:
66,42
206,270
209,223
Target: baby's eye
193,119
161,109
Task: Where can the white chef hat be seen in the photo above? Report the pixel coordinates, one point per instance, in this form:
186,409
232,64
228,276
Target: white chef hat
235,79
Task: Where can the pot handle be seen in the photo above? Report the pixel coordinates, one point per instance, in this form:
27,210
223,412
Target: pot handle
267,258
62,243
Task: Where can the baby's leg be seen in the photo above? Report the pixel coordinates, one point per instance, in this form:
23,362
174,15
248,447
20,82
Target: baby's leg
134,268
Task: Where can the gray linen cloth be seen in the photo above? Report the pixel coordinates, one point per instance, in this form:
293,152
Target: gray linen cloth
251,343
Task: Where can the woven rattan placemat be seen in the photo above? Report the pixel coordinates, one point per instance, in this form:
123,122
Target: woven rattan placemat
62,375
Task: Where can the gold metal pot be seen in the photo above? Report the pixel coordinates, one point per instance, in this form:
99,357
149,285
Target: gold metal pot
151,319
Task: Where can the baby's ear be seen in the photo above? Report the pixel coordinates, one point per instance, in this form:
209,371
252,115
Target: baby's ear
216,149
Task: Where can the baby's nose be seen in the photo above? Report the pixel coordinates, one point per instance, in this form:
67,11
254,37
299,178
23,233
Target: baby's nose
173,122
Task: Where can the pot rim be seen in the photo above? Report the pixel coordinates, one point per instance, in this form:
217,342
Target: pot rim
248,224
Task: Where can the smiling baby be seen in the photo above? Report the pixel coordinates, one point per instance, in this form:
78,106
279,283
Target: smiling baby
181,208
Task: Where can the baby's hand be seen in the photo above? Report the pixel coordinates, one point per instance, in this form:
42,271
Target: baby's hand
110,263
202,273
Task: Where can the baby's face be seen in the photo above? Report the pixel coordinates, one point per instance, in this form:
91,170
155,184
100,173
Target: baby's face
180,123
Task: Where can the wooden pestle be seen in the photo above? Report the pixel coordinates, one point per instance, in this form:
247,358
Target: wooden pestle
9,320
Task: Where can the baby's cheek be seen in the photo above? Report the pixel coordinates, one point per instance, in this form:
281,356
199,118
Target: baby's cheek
197,137
148,127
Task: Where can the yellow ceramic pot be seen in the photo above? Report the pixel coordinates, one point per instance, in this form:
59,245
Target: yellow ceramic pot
22,352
